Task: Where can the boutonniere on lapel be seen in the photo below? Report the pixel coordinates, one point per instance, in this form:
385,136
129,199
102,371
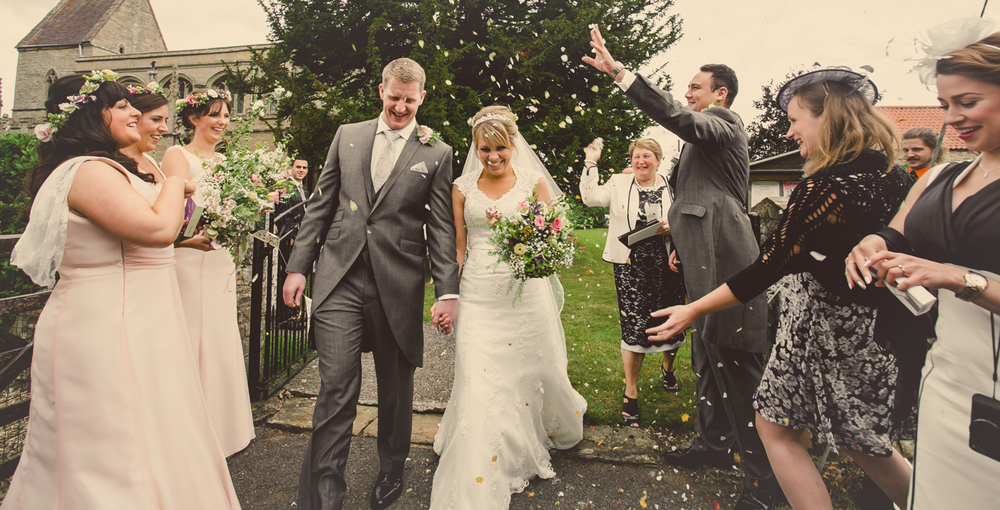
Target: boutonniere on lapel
426,135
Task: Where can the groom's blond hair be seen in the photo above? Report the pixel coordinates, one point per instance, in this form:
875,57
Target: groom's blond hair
404,70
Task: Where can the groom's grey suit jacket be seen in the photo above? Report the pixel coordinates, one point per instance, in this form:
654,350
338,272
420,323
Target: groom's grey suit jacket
345,214
708,219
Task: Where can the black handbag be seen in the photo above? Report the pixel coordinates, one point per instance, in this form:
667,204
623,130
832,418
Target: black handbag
984,425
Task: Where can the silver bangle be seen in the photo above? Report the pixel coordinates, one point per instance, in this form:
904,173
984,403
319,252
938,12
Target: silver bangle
618,68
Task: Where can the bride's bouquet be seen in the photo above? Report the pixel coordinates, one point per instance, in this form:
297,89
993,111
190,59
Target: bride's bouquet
535,242
238,189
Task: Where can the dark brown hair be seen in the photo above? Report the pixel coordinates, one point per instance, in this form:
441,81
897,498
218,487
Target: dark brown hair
980,60
85,132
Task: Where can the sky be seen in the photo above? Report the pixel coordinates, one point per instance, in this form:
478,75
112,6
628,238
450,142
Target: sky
761,39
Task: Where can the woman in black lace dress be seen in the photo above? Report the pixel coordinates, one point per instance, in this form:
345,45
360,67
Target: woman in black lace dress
643,279
825,373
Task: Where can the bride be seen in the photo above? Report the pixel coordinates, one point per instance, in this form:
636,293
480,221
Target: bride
512,400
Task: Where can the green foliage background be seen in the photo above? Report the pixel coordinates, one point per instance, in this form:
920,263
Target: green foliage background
768,129
17,157
476,53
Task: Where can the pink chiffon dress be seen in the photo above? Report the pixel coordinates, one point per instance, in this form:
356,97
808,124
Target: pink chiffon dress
208,290
117,418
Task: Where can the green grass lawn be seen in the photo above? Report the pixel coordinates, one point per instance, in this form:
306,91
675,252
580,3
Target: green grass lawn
593,340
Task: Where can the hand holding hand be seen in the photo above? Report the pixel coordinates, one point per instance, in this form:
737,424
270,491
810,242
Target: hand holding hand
680,318
857,261
295,285
602,60
444,313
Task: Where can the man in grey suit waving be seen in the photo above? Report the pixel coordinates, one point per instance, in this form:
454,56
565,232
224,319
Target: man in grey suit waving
713,239
383,181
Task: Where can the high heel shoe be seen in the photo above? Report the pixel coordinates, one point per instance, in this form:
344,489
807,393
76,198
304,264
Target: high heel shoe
630,411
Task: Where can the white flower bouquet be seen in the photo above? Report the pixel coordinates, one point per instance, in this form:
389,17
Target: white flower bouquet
238,189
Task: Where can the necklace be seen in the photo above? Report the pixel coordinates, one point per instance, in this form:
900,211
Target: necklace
651,184
986,173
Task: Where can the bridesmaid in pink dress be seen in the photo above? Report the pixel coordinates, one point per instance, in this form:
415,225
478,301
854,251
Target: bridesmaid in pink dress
117,417
207,279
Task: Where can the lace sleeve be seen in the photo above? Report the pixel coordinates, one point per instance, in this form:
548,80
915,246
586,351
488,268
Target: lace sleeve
39,251
816,204
465,183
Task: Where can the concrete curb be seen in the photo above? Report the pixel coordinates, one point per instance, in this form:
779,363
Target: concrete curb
603,443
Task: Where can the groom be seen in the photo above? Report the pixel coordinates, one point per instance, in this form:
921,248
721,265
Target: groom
383,181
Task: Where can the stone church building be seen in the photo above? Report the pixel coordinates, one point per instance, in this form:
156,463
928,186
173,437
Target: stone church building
78,36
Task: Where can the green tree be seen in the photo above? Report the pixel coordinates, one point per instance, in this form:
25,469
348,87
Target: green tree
767,131
525,54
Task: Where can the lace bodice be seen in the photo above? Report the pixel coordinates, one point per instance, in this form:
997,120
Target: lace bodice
476,205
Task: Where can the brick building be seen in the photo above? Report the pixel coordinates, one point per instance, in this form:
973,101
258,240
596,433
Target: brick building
78,36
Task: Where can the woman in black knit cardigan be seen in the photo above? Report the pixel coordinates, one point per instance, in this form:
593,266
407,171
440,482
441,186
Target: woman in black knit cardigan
825,372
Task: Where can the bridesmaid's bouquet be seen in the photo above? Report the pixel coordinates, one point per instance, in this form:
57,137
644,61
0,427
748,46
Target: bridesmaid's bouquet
535,242
240,188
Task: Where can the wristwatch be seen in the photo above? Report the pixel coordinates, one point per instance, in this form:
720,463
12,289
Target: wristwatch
975,284
618,68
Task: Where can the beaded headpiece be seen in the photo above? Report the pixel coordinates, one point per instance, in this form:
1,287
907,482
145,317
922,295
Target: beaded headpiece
150,88
91,83
201,98
490,116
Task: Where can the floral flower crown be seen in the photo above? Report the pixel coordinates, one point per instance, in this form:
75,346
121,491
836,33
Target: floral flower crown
91,83
201,98
150,88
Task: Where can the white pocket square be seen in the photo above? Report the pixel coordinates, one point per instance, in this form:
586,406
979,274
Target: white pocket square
419,167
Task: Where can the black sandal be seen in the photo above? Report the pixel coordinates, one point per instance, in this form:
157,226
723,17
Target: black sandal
630,411
669,380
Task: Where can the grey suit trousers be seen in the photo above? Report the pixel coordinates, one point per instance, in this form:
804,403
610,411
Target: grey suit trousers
349,320
726,380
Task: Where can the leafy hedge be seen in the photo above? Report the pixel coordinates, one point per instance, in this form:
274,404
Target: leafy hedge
17,157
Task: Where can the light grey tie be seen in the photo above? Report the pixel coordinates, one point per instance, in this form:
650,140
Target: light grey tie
386,160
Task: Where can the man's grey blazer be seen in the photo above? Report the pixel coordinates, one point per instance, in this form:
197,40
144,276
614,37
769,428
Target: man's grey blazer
708,219
345,215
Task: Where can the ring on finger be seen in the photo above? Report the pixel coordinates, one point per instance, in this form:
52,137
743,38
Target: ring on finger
902,269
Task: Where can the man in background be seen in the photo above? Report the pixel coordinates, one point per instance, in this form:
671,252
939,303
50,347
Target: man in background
918,149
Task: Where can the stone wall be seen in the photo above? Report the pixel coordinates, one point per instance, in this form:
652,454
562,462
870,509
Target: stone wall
132,26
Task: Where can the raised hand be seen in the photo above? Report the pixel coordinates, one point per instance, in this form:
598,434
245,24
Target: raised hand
602,61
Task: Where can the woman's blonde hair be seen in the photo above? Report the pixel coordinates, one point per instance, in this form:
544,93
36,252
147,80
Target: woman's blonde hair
849,125
494,126
646,143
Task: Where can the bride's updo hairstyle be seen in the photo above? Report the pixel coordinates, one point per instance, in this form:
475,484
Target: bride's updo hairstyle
494,126
85,132
193,112
979,61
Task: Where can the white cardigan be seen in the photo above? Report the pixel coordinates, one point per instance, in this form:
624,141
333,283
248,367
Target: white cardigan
614,194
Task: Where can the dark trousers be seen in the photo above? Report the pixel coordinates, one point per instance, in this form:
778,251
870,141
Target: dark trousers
349,320
726,380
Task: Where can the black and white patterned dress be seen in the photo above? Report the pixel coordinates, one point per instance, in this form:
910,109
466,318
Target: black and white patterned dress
825,372
647,284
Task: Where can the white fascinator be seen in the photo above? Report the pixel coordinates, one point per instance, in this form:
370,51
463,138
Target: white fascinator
945,38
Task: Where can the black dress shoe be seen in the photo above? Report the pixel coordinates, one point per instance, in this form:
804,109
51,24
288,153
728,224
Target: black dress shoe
756,500
387,489
691,457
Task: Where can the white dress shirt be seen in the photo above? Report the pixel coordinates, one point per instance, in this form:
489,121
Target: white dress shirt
380,140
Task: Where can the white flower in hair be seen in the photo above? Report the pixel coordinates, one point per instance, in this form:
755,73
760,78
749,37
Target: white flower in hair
946,38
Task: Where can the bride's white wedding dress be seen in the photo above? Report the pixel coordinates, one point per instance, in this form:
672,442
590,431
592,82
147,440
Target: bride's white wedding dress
512,400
